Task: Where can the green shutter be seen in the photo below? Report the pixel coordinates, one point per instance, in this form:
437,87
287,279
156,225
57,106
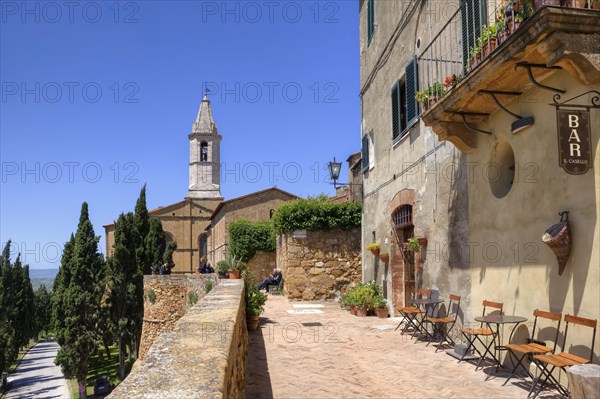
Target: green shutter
365,152
396,110
473,17
370,19
412,86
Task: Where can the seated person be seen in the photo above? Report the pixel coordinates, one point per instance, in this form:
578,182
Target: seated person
208,269
273,279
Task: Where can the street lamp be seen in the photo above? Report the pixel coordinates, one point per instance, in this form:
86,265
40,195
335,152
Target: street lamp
334,171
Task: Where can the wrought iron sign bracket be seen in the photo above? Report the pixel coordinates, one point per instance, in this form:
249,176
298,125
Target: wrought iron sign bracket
528,66
493,93
467,125
594,101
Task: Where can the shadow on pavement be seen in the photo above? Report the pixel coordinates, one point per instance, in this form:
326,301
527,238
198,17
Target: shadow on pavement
258,379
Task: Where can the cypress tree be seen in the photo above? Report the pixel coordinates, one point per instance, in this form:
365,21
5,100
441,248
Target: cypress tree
142,227
155,242
81,303
8,347
123,277
43,311
25,310
61,282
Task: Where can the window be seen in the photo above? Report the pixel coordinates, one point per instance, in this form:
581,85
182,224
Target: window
473,17
402,217
365,153
405,109
370,20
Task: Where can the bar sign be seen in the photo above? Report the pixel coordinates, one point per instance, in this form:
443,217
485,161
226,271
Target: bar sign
574,141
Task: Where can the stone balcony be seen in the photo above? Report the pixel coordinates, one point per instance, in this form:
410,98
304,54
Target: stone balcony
552,38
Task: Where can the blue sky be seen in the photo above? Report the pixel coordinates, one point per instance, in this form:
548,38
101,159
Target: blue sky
98,98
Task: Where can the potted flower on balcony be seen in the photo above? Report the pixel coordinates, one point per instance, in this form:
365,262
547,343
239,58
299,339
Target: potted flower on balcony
374,248
435,91
412,245
422,97
451,81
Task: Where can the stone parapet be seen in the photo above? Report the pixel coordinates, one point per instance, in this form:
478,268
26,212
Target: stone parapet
204,356
168,303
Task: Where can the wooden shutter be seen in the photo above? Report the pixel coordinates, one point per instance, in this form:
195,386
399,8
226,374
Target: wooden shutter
365,152
396,110
412,86
370,19
473,17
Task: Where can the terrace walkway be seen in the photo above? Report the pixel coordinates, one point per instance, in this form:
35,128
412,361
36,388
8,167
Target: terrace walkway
336,355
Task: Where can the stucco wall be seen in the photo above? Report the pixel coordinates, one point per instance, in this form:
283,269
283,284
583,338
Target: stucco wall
511,264
203,357
417,162
321,267
170,305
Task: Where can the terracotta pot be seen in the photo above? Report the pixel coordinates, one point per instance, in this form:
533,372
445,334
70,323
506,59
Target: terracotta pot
361,312
596,5
234,274
384,257
432,100
382,313
475,60
573,3
252,322
353,310
375,252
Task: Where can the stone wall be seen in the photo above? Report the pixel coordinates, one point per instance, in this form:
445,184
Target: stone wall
204,356
262,264
322,266
170,304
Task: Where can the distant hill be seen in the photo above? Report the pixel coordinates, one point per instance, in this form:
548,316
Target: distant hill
42,276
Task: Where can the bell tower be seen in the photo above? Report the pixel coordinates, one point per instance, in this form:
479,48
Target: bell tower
205,156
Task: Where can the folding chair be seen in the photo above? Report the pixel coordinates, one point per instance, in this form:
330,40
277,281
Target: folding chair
475,334
562,360
438,323
533,346
411,313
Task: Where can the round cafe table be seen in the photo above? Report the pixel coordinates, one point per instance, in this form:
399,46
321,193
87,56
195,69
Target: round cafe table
499,319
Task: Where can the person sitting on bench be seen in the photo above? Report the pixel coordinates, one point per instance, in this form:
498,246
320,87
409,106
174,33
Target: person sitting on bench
273,279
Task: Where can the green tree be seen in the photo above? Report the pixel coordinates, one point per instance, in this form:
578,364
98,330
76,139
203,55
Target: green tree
81,303
168,256
8,340
141,224
43,311
247,237
155,242
61,283
23,320
124,279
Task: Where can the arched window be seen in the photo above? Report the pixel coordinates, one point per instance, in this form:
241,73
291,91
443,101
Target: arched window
203,245
204,151
402,217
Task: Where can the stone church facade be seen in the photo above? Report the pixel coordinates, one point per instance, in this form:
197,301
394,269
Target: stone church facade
188,222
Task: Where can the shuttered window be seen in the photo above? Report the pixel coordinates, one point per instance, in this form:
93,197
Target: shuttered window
405,109
365,153
473,17
370,20
412,86
396,111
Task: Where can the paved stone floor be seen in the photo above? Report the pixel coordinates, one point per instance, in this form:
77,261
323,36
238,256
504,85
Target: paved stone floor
322,351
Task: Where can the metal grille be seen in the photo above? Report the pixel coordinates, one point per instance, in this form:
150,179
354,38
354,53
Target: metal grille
403,216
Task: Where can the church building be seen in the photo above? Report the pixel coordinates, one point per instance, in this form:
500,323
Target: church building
188,222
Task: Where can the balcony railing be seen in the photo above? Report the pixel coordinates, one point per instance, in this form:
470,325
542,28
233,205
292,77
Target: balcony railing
472,33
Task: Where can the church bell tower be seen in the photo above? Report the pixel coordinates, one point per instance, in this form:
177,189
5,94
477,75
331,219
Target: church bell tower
205,156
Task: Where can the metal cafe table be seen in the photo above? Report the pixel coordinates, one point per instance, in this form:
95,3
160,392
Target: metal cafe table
498,320
430,305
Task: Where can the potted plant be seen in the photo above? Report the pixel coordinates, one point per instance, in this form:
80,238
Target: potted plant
362,297
384,256
222,268
412,244
255,304
435,91
374,248
380,306
422,97
235,267
595,4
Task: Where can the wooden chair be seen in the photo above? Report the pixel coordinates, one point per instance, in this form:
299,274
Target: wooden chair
413,315
475,334
534,346
449,320
562,360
